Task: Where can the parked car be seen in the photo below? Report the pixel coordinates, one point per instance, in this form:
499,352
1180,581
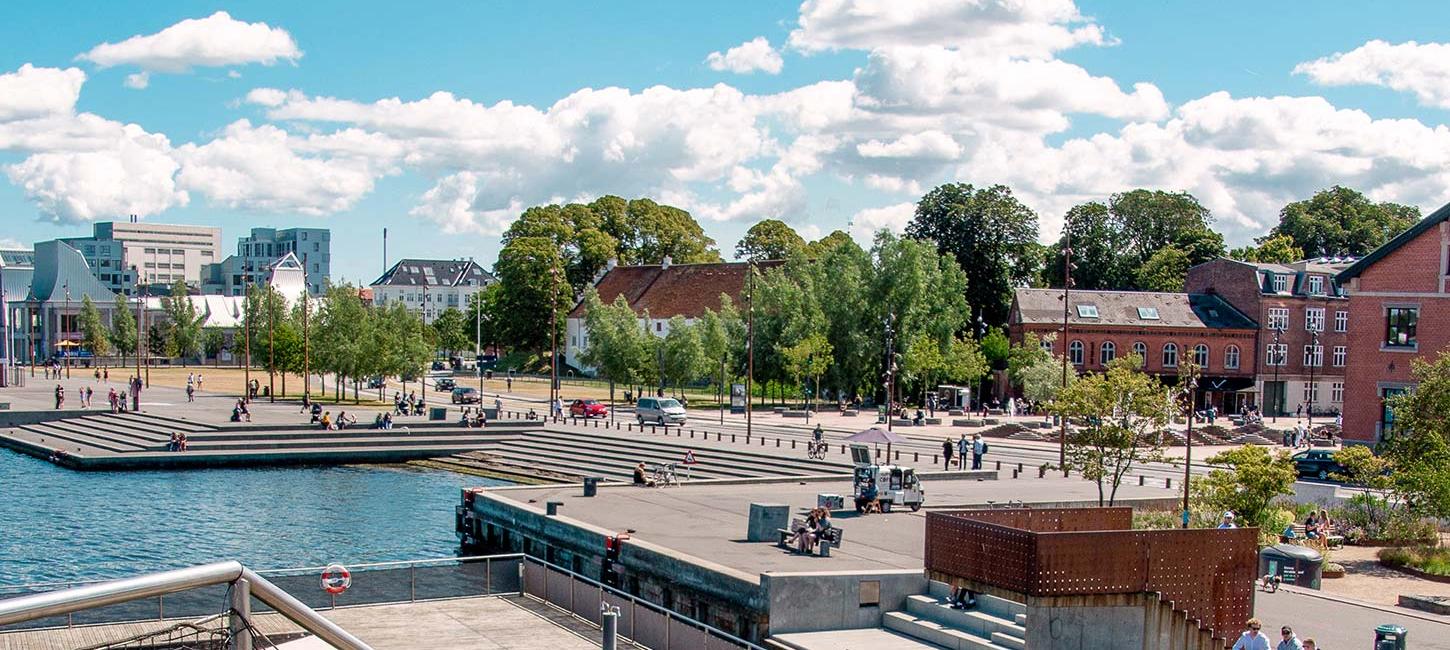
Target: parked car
659,410
1317,463
466,395
377,382
445,383
588,408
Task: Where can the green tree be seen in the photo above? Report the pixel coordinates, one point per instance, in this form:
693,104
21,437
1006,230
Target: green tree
453,333
992,236
1042,379
1341,221
963,362
614,341
721,335
1277,249
683,354
1027,354
340,333
825,245
123,328
1247,479
1153,219
482,317
183,327
530,299
213,342
769,239
1121,415
997,348
1166,270
922,361
1097,250
94,334
1200,245
808,359
1419,446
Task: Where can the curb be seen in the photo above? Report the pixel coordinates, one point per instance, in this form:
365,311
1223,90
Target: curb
1388,609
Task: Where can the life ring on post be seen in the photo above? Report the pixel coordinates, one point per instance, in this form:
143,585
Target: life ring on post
336,579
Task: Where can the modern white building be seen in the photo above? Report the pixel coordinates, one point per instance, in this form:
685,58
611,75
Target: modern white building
430,287
257,252
123,253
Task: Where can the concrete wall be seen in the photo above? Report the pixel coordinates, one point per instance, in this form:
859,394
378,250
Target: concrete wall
807,602
1141,621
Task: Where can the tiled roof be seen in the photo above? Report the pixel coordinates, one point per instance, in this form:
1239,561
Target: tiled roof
1128,308
435,273
678,290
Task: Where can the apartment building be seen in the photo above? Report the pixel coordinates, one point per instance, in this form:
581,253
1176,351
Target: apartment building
261,249
123,254
430,287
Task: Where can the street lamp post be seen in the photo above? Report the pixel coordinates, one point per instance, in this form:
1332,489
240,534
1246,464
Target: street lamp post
1192,388
1316,357
749,343
478,343
140,322
554,339
306,350
423,332
890,366
246,341
63,330
1278,362
271,348
1067,267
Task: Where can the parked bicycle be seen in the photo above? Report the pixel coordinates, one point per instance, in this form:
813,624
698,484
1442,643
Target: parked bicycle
816,449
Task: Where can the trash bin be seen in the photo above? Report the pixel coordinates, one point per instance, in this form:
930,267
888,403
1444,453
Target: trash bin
438,413
1389,637
1300,566
591,486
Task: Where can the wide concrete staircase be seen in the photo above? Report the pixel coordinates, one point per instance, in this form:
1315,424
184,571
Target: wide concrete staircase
993,623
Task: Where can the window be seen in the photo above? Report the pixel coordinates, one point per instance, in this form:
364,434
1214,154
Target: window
1231,357
1276,354
659,326
1148,313
1316,284
1074,353
1400,326
1314,319
1170,355
1087,311
1387,415
1046,345
1200,356
1278,318
1336,392
1281,282
1340,354
1311,393
1341,321
1107,352
1141,349
1313,355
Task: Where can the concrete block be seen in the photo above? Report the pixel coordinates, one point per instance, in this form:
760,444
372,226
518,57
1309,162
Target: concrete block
933,420
955,412
850,413
792,413
765,519
901,423
993,422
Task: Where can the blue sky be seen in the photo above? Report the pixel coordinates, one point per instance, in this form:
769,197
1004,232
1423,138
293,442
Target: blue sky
325,113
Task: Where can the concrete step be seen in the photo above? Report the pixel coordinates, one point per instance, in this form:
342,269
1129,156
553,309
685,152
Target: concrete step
933,632
1009,641
356,439
976,620
69,440
761,454
592,449
167,421
123,439
314,432
999,607
564,466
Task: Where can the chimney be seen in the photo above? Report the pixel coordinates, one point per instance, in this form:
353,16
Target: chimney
665,263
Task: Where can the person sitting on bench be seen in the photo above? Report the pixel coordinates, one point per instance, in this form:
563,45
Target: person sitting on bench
804,537
639,477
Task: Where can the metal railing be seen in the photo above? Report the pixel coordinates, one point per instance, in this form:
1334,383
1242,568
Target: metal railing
644,623
242,584
372,584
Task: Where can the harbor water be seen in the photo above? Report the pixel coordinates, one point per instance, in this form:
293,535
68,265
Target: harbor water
58,525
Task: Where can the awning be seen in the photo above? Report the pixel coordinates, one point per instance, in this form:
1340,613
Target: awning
1226,384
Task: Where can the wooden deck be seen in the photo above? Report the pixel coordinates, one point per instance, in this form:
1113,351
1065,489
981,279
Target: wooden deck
492,623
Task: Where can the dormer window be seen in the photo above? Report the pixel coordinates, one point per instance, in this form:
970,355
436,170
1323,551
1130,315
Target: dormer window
1316,284
1148,313
1087,311
1281,282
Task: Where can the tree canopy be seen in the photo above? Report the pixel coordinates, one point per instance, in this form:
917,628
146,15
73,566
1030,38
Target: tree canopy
1419,446
94,335
1113,244
1121,415
123,328
992,236
769,239
1341,221
182,331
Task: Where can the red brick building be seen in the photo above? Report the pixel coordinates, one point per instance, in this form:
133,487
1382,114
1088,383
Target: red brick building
1302,342
1163,328
1399,310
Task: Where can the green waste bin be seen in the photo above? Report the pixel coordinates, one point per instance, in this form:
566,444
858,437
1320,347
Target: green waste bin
438,413
1389,637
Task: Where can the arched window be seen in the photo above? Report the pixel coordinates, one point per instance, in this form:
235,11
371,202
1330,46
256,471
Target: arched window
1231,357
1074,353
1107,352
1170,355
1200,356
1141,349
1046,345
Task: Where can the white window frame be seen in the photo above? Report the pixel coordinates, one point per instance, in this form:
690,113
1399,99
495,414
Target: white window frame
1276,354
1316,284
1170,362
1075,352
1141,349
1280,282
1279,316
1200,355
1314,319
1336,392
1313,356
1107,352
1341,355
1311,393
1231,357
1341,320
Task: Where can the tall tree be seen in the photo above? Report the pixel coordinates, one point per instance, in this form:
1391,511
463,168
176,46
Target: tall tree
1165,270
1123,414
1247,480
1097,250
213,342
1420,445
1276,249
453,333
824,245
482,317
683,355
1153,219
769,239
93,330
992,236
614,340
123,328
1341,221
531,300
808,359
183,327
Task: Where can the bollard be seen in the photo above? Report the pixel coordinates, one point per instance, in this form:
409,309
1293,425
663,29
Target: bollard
692,434
898,454
747,438
915,457
1019,467
933,460
732,437
1014,473
792,444
777,442
1141,479
878,453
999,465
1042,471
1168,483
609,625
843,449
762,441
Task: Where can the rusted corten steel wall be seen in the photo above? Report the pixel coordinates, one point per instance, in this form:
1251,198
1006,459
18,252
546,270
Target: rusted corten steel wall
1207,573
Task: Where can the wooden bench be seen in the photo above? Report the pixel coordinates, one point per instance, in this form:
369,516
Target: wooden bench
831,539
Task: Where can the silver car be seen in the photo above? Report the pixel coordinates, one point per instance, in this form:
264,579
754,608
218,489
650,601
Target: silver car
659,410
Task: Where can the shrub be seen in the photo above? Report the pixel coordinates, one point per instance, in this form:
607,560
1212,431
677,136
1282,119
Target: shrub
1434,560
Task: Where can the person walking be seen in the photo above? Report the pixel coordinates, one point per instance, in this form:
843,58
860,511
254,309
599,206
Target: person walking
497,407
59,396
946,453
1228,521
979,448
190,392
964,446
1287,640
106,374
1252,638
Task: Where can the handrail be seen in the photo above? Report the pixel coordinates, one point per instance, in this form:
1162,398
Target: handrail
55,603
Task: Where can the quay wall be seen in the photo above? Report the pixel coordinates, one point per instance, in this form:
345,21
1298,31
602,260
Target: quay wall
837,600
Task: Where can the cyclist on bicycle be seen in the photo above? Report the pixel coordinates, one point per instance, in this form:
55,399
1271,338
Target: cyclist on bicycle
818,435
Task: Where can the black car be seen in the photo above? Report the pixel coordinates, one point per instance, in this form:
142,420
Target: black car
445,383
1317,463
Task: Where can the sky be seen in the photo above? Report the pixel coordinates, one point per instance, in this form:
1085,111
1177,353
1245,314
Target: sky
443,121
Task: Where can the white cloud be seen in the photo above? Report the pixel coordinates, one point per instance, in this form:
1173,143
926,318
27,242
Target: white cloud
931,145
133,174
32,92
892,184
269,97
217,40
138,80
747,57
1423,69
1001,28
866,223
11,243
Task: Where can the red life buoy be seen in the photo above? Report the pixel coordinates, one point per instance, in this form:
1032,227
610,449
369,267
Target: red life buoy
336,579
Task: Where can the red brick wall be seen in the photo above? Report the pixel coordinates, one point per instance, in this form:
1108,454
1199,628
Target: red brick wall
1155,338
1414,271
1237,283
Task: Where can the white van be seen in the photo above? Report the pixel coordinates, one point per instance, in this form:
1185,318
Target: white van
659,410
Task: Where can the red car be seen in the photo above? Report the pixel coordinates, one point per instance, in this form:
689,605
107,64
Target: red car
587,408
